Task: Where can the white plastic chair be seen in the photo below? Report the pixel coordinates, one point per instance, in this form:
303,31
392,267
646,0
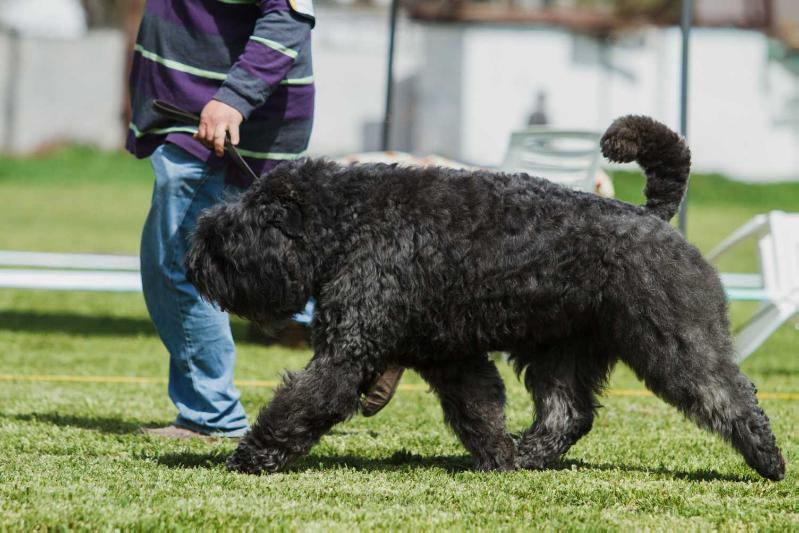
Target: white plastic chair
568,157
69,272
776,287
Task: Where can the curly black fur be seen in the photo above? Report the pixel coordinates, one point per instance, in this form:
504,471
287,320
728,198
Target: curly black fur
432,268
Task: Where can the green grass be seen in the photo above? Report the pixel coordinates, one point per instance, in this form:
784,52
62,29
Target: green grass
71,457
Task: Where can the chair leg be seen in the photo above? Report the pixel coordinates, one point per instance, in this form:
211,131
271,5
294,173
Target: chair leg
761,326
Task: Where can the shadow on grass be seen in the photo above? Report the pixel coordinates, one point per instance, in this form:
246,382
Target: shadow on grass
80,324
345,432
403,460
74,324
101,424
210,459
699,475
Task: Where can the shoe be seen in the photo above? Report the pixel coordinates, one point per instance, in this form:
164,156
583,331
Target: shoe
382,391
174,432
178,432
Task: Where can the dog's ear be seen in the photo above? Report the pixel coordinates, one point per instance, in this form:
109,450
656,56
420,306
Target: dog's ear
291,224
282,206
283,215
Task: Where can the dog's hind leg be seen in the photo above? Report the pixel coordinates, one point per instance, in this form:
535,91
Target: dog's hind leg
564,378
303,409
472,396
702,381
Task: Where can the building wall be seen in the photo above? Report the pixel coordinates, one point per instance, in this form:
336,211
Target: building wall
788,9
440,111
738,96
350,48
58,89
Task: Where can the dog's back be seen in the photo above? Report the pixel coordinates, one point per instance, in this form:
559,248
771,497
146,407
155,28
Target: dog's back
495,255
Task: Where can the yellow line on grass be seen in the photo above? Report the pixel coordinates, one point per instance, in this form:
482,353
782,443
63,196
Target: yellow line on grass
145,380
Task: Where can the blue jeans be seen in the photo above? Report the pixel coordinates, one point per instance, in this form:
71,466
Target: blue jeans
195,332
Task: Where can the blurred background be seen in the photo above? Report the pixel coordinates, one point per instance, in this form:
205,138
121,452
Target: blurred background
82,368
467,73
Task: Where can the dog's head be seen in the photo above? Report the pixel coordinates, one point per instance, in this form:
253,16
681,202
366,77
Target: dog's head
252,255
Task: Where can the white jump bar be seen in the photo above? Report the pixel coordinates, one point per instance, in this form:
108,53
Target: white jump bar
70,280
81,261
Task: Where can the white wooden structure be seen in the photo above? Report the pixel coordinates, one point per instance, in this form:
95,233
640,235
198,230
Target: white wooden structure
70,272
776,286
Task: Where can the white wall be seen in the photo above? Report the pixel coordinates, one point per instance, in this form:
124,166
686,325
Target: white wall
738,98
440,111
44,18
350,47
61,89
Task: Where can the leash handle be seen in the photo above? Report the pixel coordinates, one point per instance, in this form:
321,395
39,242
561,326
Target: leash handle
175,113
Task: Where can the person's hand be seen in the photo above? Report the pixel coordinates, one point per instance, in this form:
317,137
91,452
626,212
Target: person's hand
216,120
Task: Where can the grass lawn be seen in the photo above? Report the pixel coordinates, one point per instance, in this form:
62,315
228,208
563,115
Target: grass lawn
71,457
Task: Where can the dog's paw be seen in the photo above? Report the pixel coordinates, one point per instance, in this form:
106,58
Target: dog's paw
773,467
526,463
753,437
767,460
497,457
249,460
504,462
495,465
534,461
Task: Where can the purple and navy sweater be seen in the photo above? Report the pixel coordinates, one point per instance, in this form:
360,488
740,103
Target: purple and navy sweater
254,55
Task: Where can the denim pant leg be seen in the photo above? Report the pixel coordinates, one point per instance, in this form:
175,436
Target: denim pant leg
196,334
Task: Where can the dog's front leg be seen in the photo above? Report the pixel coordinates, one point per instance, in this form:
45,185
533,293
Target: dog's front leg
303,409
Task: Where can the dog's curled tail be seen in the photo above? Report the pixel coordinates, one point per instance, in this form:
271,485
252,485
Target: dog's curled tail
662,154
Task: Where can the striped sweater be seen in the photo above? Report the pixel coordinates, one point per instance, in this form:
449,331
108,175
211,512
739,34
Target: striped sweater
254,55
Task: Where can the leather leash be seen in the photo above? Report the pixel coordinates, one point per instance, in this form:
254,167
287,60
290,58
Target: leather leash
175,113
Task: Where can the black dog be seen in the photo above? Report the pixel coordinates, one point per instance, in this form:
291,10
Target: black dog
431,268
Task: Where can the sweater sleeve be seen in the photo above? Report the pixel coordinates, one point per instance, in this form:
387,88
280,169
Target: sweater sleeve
267,58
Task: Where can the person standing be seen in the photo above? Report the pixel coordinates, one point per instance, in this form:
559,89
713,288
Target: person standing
245,68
